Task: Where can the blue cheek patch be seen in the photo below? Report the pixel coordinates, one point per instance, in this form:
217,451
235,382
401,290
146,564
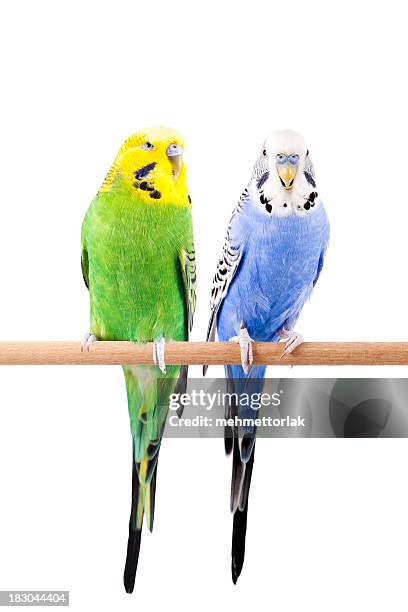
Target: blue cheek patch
309,178
262,180
143,172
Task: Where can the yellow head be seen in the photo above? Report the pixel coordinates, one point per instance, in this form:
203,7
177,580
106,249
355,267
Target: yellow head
151,163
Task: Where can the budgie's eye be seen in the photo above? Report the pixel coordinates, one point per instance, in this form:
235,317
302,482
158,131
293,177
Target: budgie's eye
281,159
293,160
147,146
264,152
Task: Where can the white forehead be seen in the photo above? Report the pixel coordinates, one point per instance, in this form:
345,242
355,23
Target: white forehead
285,141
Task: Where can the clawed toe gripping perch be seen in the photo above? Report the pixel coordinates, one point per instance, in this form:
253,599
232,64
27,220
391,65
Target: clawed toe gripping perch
87,341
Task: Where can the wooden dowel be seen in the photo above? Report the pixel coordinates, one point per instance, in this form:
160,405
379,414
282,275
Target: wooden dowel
214,353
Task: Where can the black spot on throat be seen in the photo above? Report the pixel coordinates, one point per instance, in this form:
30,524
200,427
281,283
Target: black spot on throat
155,195
310,202
265,202
146,186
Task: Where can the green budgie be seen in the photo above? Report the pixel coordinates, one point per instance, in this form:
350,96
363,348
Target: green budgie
138,263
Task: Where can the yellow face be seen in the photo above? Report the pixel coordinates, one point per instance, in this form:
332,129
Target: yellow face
151,163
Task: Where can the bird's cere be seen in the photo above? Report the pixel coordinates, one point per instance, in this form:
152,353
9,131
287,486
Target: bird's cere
173,150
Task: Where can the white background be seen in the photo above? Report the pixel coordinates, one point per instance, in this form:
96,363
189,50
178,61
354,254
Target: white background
327,519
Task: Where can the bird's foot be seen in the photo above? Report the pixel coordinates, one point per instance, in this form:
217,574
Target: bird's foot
158,353
245,342
87,341
293,340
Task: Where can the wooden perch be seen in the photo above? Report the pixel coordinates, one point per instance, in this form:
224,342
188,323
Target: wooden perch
198,353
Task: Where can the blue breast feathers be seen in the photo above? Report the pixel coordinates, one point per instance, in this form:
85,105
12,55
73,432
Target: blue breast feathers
282,257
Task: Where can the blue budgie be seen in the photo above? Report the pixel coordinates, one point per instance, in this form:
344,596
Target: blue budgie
272,257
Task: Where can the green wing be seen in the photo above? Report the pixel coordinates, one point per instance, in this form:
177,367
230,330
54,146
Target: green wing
189,276
84,256
85,267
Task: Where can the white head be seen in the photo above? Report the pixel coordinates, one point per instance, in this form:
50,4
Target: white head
283,180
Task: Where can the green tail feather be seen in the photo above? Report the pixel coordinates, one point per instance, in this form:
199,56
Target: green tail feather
148,391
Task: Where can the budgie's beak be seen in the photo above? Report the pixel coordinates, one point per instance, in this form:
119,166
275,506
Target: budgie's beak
287,174
175,154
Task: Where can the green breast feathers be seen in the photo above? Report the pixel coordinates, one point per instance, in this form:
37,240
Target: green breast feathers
138,262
